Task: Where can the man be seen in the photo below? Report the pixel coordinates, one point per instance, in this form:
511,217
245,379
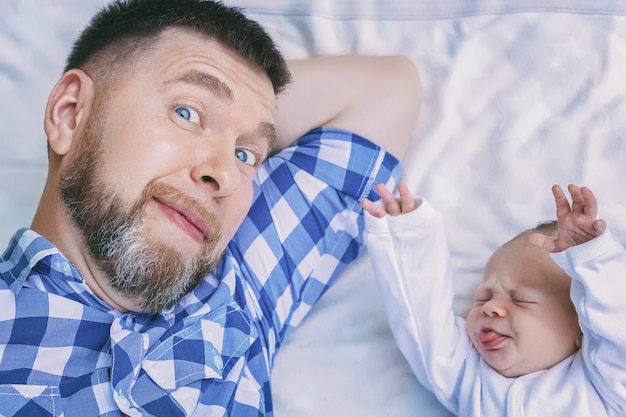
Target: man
168,258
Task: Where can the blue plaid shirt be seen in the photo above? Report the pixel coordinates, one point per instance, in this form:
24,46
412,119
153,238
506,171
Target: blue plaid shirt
64,352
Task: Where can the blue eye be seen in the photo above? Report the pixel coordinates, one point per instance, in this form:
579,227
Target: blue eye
245,156
187,114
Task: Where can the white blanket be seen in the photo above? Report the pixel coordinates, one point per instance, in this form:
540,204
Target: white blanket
518,95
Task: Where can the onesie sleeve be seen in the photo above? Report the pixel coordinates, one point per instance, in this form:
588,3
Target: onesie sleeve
410,259
598,271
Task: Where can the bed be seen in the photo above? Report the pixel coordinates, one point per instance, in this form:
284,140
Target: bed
518,95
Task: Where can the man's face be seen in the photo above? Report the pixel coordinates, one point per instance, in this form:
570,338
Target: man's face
523,319
162,176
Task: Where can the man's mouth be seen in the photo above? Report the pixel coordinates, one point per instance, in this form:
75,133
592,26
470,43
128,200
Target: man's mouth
187,220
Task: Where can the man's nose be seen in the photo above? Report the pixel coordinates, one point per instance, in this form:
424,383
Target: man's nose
217,170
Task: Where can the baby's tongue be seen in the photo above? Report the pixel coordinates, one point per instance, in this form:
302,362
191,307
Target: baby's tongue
488,336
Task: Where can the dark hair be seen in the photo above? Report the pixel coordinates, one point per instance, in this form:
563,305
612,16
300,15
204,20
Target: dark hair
126,28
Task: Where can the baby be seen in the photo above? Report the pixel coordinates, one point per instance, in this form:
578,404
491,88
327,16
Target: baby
545,336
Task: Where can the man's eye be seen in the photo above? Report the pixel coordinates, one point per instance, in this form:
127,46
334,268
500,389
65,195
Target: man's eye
187,114
246,156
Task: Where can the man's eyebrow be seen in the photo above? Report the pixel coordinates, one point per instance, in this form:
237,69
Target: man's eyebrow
208,81
269,131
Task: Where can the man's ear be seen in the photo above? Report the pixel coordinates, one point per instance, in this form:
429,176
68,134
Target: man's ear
68,103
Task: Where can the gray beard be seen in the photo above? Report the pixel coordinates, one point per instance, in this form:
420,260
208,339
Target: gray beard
149,273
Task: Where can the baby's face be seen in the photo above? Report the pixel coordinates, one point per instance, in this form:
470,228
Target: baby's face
523,319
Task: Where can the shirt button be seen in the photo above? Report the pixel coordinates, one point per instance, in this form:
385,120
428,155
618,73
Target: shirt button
129,320
123,402
67,269
217,360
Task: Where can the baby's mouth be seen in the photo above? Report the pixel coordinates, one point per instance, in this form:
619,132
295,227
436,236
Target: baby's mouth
490,338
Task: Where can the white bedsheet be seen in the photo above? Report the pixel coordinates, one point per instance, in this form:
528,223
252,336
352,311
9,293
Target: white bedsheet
518,95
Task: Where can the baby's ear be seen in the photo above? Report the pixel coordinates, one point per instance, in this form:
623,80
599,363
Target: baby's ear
68,103
537,239
543,241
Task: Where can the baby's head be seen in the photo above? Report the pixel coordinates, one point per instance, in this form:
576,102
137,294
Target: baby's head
523,319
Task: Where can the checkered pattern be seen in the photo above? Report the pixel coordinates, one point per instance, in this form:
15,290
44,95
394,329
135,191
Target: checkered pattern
63,351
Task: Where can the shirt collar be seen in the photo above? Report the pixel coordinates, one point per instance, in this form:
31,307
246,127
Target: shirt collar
30,260
25,251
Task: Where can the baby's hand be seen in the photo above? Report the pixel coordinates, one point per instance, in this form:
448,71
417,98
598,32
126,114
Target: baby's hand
392,205
576,224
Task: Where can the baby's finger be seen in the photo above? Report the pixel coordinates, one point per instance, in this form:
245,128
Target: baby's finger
578,202
407,201
373,208
561,202
599,226
590,204
543,241
391,203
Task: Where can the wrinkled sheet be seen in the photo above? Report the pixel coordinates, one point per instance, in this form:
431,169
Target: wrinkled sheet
518,95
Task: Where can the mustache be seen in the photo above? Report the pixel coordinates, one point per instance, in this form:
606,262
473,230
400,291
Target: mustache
169,193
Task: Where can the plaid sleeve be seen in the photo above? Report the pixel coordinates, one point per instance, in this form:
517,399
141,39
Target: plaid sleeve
212,355
305,223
